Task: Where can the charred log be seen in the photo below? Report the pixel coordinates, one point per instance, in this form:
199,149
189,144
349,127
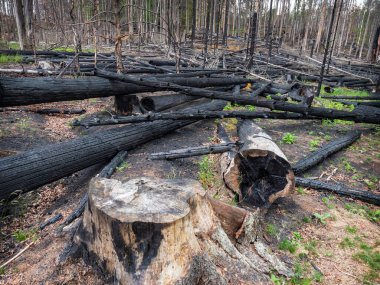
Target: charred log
340,189
325,151
193,151
34,168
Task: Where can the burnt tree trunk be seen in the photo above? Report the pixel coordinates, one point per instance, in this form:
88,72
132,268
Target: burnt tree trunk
26,91
355,115
26,171
325,151
251,170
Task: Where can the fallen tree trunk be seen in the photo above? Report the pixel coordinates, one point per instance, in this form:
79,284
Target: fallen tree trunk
26,91
250,172
325,151
154,231
197,115
34,168
193,151
163,102
359,103
340,189
374,97
44,111
356,116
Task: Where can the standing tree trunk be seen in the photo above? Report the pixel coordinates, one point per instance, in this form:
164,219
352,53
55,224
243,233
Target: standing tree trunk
225,31
194,22
321,25
23,14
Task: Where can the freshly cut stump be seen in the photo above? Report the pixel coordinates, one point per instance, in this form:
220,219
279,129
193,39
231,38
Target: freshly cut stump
148,231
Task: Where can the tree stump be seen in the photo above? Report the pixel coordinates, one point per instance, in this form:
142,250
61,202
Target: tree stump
148,231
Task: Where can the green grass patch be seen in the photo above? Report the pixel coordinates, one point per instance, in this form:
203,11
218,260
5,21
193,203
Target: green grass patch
351,230
64,49
288,138
314,144
125,165
344,91
322,217
10,58
272,230
371,258
365,211
22,235
206,174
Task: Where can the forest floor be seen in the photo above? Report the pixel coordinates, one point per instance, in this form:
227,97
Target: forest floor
326,238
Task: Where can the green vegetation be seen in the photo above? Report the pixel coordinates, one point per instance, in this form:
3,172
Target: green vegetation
277,280
304,275
125,165
322,217
314,144
344,91
64,49
22,235
371,258
2,271
347,243
326,201
288,138
292,244
238,107
300,190
206,174
365,211
10,58
351,230
272,230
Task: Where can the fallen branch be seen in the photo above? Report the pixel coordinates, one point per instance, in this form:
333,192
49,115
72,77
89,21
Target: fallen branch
325,151
50,221
198,115
340,189
17,255
193,151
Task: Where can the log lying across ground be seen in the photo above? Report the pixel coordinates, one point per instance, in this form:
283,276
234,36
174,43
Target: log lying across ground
156,231
196,115
27,91
325,151
355,115
163,102
340,189
34,168
250,171
45,111
193,151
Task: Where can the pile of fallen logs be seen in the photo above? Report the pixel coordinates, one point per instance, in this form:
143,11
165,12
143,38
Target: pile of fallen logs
152,227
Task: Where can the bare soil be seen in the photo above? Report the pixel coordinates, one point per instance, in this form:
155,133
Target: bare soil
357,166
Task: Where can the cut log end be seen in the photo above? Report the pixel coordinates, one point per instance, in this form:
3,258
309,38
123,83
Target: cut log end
253,171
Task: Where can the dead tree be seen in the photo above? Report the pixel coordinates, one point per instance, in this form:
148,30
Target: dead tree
251,169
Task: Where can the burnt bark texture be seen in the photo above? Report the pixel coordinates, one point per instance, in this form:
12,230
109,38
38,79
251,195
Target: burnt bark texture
34,168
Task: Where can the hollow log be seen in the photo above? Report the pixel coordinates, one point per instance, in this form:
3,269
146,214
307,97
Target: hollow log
26,171
250,171
340,189
356,116
163,102
153,231
325,151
